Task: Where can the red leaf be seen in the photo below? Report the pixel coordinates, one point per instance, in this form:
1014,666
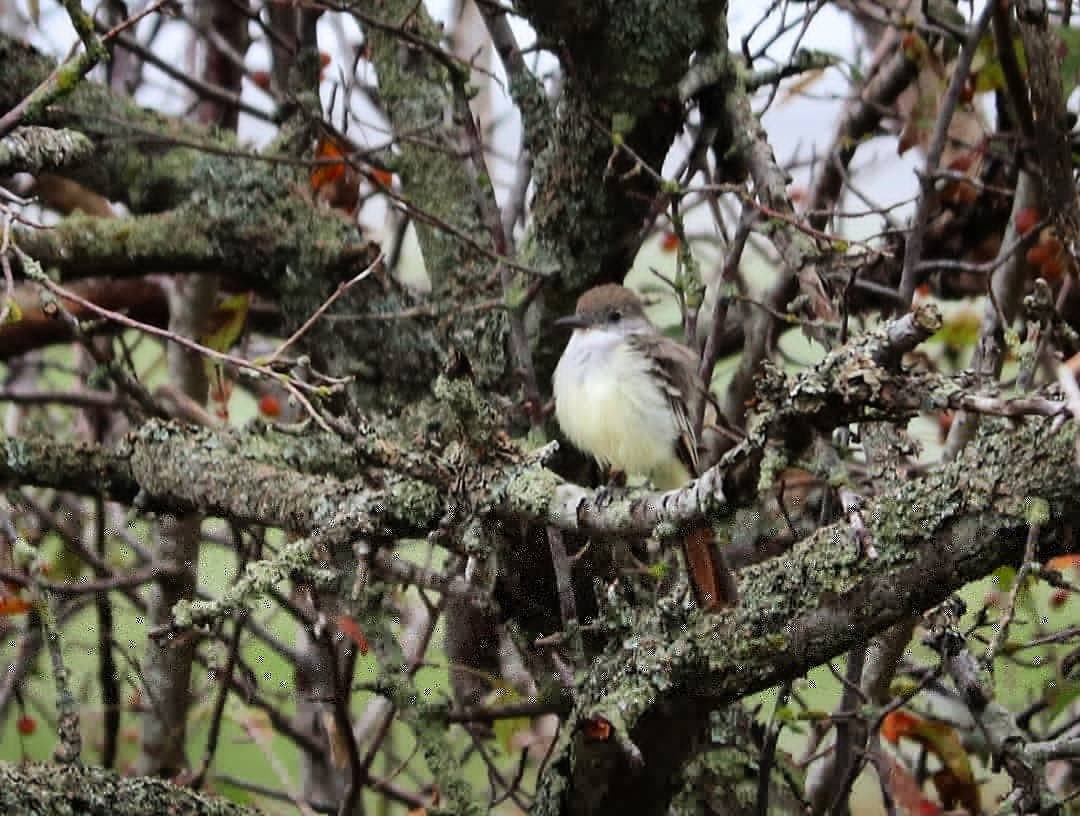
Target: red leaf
956,791
261,79
906,792
270,406
1027,218
12,605
26,725
942,741
597,729
351,629
383,178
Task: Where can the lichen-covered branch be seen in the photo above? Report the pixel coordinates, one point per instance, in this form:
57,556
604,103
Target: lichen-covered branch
667,666
36,149
621,67
92,790
203,204
257,478
933,535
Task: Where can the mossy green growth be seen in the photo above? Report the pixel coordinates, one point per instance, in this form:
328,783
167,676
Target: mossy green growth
532,488
414,502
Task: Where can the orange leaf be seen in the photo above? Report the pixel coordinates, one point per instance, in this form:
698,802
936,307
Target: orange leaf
938,738
1060,563
324,174
897,724
348,626
12,605
383,178
670,242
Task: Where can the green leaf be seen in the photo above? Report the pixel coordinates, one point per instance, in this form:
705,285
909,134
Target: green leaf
14,312
1037,511
1003,578
227,322
960,331
785,714
1070,66
505,694
986,67
659,570
1061,694
621,124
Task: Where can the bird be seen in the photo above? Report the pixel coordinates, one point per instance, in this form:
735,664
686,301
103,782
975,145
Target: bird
625,394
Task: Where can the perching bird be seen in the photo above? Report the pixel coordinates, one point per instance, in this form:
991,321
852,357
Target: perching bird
625,394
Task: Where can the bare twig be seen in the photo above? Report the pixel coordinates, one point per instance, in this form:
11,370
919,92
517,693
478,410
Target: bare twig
341,290
1018,586
562,566
70,746
293,386
913,249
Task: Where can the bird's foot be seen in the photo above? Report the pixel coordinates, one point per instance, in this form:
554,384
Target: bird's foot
607,493
604,495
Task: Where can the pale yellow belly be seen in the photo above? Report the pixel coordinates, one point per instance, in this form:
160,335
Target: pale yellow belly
621,417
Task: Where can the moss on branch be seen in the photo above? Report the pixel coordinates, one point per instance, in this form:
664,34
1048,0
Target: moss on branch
38,149
93,791
622,66
134,161
215,208
933,535
241,475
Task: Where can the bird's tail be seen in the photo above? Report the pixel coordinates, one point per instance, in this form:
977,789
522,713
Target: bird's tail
711,578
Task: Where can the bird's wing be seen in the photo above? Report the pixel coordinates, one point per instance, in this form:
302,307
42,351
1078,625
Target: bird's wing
675,366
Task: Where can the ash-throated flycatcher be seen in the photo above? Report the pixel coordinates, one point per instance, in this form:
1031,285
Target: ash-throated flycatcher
625,394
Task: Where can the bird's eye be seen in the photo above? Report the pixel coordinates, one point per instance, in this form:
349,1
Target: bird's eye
615,316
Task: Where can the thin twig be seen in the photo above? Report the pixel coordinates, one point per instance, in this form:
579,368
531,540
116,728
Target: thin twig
563,579
1002,634
67,708
292,385
913,248
341,290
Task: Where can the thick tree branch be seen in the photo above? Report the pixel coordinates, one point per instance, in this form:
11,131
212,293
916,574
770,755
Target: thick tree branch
36,149
933,536
82,789
170,469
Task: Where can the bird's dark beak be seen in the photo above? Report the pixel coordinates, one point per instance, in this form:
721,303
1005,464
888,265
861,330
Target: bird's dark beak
572,322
